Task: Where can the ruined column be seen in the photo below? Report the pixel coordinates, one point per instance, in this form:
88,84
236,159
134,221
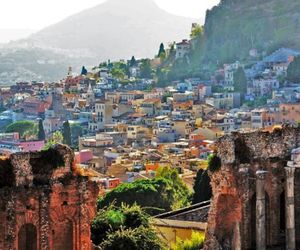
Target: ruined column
260,210
290,208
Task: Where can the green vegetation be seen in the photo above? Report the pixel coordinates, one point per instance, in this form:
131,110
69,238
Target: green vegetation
197,31
133,239
202,187
268,26
76,132
124,227
41,132
119,70
56,138
162,52
293,71
240,81
84,71
26,129
133,62
214,163
146,70
195,243
161,194
66,133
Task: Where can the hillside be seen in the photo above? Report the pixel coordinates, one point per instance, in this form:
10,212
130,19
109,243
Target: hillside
234,27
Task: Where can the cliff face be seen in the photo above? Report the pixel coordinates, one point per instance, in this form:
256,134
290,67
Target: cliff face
234,27
232,217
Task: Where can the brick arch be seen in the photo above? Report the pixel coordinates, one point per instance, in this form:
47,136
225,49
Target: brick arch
27,237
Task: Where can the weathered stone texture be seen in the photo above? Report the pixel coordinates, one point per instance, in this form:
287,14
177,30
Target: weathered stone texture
232,217
45,201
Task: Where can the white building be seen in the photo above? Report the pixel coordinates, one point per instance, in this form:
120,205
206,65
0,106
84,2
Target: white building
182,49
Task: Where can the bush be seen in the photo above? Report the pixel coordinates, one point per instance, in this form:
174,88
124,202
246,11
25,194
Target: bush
195,243
125,227
141,238
155,195
106,221
214,163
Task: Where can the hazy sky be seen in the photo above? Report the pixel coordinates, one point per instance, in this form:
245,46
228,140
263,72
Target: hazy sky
37,14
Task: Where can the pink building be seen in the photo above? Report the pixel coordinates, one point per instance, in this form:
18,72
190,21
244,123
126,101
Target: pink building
32,146
83,156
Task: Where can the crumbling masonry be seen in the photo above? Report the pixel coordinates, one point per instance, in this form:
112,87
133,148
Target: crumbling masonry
256,202
43,204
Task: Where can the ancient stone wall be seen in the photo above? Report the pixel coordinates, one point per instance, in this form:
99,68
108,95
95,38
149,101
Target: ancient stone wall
43,204
232,217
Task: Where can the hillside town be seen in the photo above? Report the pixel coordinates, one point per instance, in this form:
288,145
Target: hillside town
124,126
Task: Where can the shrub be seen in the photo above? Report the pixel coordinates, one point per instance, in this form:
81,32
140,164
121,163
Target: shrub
214,163
195,243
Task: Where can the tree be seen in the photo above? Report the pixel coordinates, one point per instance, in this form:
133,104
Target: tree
56,138
197,30
202,187
161,194
76,132
161,52
146,70
84,71
293,71
25,128
67,133
240,81
41,131
132,62
196,187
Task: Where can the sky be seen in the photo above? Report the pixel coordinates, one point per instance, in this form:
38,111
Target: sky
37,14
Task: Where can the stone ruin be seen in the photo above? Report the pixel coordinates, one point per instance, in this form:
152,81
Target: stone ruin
44,204
256,202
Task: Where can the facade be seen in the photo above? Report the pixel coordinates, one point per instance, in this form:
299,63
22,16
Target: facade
264,86
44,205
224,100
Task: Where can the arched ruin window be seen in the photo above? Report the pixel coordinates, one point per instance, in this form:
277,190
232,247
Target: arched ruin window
27,237
63,236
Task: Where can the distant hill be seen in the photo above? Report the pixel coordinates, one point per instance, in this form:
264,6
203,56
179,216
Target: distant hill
8,35
235,26
115,29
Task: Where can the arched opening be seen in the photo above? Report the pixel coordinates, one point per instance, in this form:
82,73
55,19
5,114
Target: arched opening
27,237
282,217
268,220
63,236
253,222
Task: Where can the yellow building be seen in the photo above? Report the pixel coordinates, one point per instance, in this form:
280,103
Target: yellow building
180,224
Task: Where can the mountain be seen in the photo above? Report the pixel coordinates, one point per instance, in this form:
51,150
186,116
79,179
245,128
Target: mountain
115,29
235,26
